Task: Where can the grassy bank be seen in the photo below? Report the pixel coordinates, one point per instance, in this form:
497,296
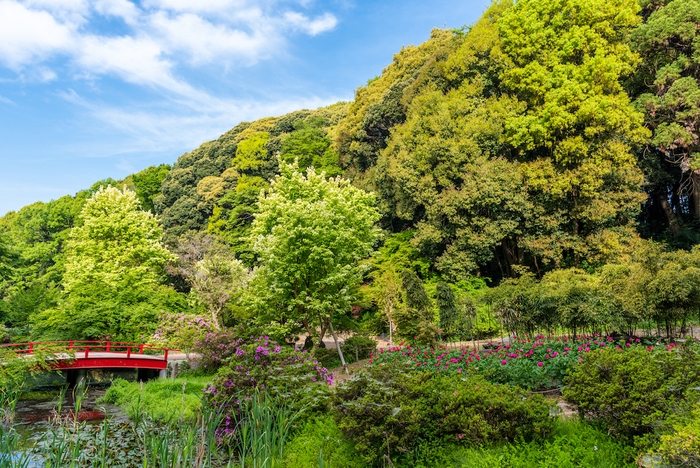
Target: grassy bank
161,399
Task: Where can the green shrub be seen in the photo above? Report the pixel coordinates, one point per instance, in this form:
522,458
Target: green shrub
387,410
573,444
320,437
328,357
358,347
632,393
682,446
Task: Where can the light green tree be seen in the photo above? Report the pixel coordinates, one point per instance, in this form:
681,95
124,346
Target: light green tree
114,269
116,238
310,234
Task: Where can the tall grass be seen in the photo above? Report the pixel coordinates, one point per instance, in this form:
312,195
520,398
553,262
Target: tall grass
261,432
11,455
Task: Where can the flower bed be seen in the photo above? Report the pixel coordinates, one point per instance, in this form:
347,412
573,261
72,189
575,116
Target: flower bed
534,363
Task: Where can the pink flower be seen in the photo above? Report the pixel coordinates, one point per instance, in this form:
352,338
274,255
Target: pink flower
504,362
540,364
460,436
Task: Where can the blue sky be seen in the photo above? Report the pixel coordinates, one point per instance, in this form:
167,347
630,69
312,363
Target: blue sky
105,88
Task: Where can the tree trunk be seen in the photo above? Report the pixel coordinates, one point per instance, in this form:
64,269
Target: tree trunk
215,318
337,346
695,194
668,212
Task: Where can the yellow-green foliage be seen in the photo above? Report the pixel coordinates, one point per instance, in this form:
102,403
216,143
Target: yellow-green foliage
380,105
251,152
682,447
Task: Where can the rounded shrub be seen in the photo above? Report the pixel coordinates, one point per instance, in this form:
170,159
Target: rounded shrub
388,410
631,393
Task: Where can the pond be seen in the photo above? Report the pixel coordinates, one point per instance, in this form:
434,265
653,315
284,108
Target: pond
56,427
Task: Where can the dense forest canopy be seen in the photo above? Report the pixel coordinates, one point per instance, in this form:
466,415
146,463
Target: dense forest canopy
543,148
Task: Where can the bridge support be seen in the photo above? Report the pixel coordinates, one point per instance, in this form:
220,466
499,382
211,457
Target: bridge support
74,376
146,374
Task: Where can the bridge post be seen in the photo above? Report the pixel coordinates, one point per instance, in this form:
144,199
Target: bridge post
74,376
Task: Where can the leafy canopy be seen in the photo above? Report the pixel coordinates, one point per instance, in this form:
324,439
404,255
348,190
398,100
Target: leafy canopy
310,234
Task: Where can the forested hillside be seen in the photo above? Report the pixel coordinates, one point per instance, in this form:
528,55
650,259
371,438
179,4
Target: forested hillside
539,168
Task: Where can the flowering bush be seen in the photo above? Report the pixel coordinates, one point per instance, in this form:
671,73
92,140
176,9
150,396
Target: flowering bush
535,363
263,365
387,410
216,346
181,331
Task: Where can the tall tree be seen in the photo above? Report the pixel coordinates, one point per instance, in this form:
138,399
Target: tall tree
447,308
114,271
310,235
667,86
415,321
576,130
116,239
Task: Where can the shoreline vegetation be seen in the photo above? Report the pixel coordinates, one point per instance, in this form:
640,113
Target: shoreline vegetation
514,205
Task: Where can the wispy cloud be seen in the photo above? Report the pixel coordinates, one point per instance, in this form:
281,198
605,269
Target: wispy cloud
187,124
157,41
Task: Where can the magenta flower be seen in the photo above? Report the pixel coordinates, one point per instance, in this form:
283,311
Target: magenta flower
540,364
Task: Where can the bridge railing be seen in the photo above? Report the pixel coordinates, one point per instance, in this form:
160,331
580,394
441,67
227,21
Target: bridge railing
82,349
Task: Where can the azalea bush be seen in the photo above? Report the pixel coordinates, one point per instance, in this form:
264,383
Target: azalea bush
533,363
387,410
631,393
216,346
263,366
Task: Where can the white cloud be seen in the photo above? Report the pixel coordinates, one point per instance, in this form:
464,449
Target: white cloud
163,37
123,9
29,35
311,26
203,41
199,6
6,101
186,124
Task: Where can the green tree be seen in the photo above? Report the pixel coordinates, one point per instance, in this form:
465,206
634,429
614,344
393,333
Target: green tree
310,235
212,271
38,234
115,239
415,321
667,87
148,184
251,152
114,270
447,308
310,145
387,294
577,127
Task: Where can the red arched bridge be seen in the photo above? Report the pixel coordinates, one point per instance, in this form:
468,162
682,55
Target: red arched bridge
83,355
